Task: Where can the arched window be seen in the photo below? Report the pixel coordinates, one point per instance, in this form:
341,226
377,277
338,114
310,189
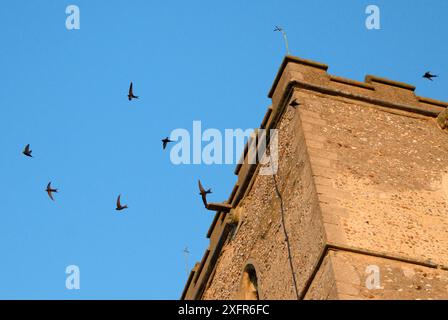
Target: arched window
249,284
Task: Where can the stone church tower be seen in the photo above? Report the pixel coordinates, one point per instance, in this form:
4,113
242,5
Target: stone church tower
358,208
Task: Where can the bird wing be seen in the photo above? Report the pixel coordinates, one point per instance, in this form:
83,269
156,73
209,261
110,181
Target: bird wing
204,199
164,144
201,188
49,186
27,148
50,194
118,201
130,90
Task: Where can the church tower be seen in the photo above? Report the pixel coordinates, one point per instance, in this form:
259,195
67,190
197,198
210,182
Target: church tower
358,208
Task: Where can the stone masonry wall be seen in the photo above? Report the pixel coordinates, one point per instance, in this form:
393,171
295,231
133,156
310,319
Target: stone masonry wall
260,237
379,177
363,176
343,275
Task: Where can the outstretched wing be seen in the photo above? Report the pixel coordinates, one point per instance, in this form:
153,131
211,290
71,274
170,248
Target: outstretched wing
164,144
201,188
203,193
118,201
204,199
27,149
130,90
49,191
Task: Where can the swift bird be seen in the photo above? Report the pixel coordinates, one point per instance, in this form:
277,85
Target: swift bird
50,190
27,151
429,76
119,206
277,28
165,142
294,103
203,193
131,93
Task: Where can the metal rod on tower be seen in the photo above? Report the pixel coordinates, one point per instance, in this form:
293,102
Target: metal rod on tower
285,37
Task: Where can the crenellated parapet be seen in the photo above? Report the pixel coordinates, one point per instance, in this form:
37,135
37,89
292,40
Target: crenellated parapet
305,76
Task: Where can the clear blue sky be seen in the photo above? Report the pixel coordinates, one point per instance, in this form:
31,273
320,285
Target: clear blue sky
64,92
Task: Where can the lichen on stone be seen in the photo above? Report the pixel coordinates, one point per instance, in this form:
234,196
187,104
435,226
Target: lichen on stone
442,119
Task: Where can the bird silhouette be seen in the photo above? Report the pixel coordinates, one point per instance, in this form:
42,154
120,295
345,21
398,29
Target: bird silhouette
165,142
294,103
131,93
119,206
50,190
27,151
277,28
203,193
429,76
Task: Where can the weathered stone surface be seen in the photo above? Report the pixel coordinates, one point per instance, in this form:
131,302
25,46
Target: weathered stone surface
442,119
363,178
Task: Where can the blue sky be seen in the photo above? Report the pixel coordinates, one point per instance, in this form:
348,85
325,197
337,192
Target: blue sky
64,92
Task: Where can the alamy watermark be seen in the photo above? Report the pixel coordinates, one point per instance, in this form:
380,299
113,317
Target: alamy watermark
73,22
373,19
373,280
73,281
211,146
